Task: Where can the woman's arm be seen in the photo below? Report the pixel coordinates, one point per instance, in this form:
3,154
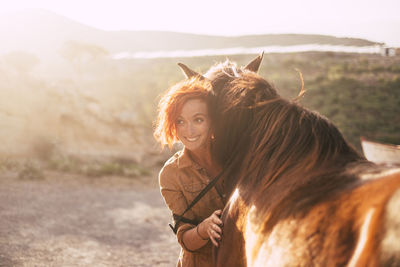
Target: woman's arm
190,238
209,228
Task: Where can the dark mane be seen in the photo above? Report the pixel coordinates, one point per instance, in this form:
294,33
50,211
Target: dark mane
272,136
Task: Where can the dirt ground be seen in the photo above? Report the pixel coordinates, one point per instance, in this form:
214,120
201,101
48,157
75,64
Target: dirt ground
71,220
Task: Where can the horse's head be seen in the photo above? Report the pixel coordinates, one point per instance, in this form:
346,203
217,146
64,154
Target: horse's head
260,134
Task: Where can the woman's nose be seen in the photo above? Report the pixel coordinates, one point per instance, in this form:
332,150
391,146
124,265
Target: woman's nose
191,129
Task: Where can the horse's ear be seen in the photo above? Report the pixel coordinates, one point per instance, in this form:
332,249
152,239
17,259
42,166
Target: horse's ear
254,65
189,73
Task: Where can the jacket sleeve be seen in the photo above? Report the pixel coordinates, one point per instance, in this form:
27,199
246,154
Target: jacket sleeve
174,199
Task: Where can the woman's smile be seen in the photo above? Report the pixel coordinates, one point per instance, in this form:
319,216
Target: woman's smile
193,139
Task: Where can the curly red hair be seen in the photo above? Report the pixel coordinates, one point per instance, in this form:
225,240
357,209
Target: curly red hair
171,104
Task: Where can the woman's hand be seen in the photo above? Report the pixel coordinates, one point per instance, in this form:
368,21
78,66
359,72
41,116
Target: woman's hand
212,226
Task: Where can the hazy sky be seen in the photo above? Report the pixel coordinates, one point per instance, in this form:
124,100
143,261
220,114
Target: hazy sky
376,20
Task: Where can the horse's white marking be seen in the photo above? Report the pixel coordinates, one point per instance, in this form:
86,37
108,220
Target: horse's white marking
271,257
272,253
362,240
369,176
250,236
390,244
235,195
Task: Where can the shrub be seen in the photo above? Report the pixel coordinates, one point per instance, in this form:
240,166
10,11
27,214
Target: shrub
30,171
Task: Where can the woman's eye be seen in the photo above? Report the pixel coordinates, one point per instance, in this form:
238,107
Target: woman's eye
179,122
199,120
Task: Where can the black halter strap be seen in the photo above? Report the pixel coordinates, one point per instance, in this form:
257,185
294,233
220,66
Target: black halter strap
180,218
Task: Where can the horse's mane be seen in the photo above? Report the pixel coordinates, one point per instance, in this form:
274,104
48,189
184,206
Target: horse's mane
260,136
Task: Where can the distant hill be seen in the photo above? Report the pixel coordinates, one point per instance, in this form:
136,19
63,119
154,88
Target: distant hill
44,33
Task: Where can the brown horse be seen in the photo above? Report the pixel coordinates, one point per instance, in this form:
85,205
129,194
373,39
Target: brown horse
300,195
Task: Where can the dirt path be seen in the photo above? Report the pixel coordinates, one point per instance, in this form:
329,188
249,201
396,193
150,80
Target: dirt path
67,220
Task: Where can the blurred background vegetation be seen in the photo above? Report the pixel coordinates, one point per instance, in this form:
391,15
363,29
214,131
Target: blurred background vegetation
78,99
89,113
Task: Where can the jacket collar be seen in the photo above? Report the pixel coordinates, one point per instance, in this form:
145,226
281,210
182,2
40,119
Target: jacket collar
184,160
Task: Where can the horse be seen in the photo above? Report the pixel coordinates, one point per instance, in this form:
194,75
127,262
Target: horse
299,193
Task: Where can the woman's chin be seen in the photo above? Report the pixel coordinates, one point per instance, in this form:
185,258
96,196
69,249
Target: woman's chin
197,147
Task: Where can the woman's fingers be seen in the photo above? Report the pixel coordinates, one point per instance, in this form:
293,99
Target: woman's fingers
215,217
215,234
217,221
216,228
215,237
214,241
217,213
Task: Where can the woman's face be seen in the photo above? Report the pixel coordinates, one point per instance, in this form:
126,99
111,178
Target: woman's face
193,124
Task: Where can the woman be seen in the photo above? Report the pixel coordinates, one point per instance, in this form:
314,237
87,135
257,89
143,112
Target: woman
184,116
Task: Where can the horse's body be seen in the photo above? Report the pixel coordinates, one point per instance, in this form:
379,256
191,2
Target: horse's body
339,224
300,194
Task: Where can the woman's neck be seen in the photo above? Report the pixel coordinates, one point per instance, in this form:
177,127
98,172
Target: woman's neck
204,159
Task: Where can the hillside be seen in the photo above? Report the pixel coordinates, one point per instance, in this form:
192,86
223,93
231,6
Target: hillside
44,33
